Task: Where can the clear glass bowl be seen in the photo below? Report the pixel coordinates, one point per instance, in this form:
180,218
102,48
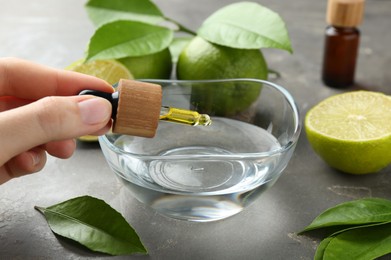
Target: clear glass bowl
207,173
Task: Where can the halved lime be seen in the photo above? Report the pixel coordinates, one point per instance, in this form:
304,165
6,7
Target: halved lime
109,70
352,131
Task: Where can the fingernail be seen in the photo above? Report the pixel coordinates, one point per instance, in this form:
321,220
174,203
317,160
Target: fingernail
94,110
36,158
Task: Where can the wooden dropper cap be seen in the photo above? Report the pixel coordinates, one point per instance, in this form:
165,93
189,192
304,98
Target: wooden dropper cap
345,13
136,107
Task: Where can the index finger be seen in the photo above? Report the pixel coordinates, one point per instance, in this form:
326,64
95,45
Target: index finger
24,79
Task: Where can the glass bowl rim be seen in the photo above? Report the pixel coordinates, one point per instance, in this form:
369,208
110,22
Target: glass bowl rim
292,142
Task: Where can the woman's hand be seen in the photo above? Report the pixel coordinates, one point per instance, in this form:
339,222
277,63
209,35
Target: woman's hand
40,112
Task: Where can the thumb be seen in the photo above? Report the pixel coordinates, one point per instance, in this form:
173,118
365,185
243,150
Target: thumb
50,119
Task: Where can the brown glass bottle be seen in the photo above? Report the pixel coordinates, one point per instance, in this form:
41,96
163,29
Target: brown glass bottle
342,38
340,56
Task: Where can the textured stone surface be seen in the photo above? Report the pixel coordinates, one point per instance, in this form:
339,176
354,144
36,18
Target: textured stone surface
55,33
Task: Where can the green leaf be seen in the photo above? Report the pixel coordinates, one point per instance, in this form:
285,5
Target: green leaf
121,39
319,254
94,224
103,11
322,248
359,243
358,212
246,25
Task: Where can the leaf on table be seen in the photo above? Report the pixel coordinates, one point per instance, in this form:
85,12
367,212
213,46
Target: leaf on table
246,25
357,212
321,248
120,39
102,11
360,243
94,224
319,254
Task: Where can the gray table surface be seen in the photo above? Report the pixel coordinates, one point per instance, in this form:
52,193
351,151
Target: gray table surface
55,33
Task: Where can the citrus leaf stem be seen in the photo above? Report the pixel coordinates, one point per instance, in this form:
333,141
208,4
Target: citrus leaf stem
181,28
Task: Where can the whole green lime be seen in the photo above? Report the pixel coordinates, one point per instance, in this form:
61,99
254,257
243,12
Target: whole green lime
153,66
203,60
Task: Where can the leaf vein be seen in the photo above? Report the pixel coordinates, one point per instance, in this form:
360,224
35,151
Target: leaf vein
84,223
